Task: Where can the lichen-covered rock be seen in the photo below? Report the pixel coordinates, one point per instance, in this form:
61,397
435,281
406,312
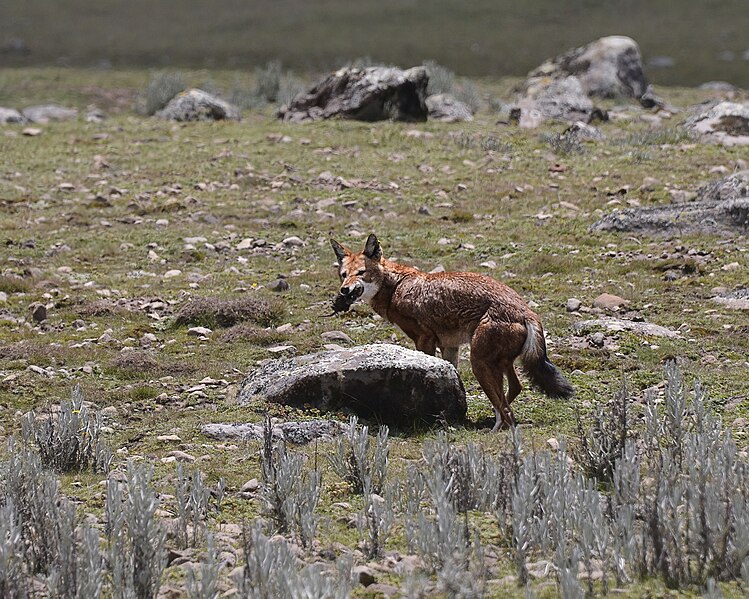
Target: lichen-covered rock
386,383
197,105
726,123
609,67
49,112
10,115
722,207
559,99
369,94
446,108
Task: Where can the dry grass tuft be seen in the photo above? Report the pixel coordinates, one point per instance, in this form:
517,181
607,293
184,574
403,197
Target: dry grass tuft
251,333
14,284
215,312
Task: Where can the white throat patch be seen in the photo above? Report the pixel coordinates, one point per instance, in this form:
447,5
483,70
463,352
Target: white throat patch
370,290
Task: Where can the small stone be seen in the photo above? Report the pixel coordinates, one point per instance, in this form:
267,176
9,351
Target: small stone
280,285
553,444
38,312
608,301
245,244
336,336
285,328
250,486
199,331
181,456
293,242
110,412
573,304
31,131
3,297
597,339
170,274
364,574
170,438
730,267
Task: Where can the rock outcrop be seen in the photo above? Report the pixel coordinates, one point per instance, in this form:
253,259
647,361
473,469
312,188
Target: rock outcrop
721,208
197,105
726,123
609,67
561,87
12,116
386,383
368,94
49,112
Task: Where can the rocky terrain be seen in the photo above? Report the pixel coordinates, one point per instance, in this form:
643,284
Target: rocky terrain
158,263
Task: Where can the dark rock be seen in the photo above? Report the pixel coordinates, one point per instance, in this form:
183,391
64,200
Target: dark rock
38,312
49,112
387,383
279,285
369,94
446,108
726,123
721,208
197,105
10,115
299,433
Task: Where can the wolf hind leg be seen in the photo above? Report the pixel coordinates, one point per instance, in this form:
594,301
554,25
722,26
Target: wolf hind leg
491,380
513,382
426,343
450,354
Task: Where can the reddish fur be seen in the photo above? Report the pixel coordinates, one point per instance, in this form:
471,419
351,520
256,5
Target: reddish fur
446,310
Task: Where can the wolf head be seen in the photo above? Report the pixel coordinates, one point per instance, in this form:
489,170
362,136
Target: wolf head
361,273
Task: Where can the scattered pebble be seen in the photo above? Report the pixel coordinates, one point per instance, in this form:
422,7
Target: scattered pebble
608,301
199,331
573,304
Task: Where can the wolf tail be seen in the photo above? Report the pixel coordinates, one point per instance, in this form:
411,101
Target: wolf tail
542,373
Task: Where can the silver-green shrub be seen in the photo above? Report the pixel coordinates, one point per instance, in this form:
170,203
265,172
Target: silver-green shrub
69,439
290,492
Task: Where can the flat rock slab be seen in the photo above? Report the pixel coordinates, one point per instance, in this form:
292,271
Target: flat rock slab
726,123
298,433
197,105
619,324
736,300
447,109
721,208
370,94
389,384
45,113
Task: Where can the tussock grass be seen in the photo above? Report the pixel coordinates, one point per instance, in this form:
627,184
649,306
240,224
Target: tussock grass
216,312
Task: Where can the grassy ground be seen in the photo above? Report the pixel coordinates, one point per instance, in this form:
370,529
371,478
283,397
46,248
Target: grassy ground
479,38
94,216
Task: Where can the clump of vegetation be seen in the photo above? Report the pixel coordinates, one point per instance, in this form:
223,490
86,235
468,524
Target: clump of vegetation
162,87
205,586
69,439
271,570
358,463
443,81
192,500
135,536
271,85
289,492
565,143
252,333
657,136
14,284
135,363
216,312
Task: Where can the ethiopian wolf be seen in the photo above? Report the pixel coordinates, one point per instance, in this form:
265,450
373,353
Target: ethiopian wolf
448,309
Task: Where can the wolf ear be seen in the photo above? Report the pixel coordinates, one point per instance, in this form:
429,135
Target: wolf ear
373,250
340,251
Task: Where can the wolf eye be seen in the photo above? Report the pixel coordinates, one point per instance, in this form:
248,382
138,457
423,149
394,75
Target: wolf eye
361,272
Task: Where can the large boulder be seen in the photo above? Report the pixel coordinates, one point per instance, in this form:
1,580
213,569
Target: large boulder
386,383
561,99
197,105
609,67
368,94
721,208
448,109
10,115
726,123
49,112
